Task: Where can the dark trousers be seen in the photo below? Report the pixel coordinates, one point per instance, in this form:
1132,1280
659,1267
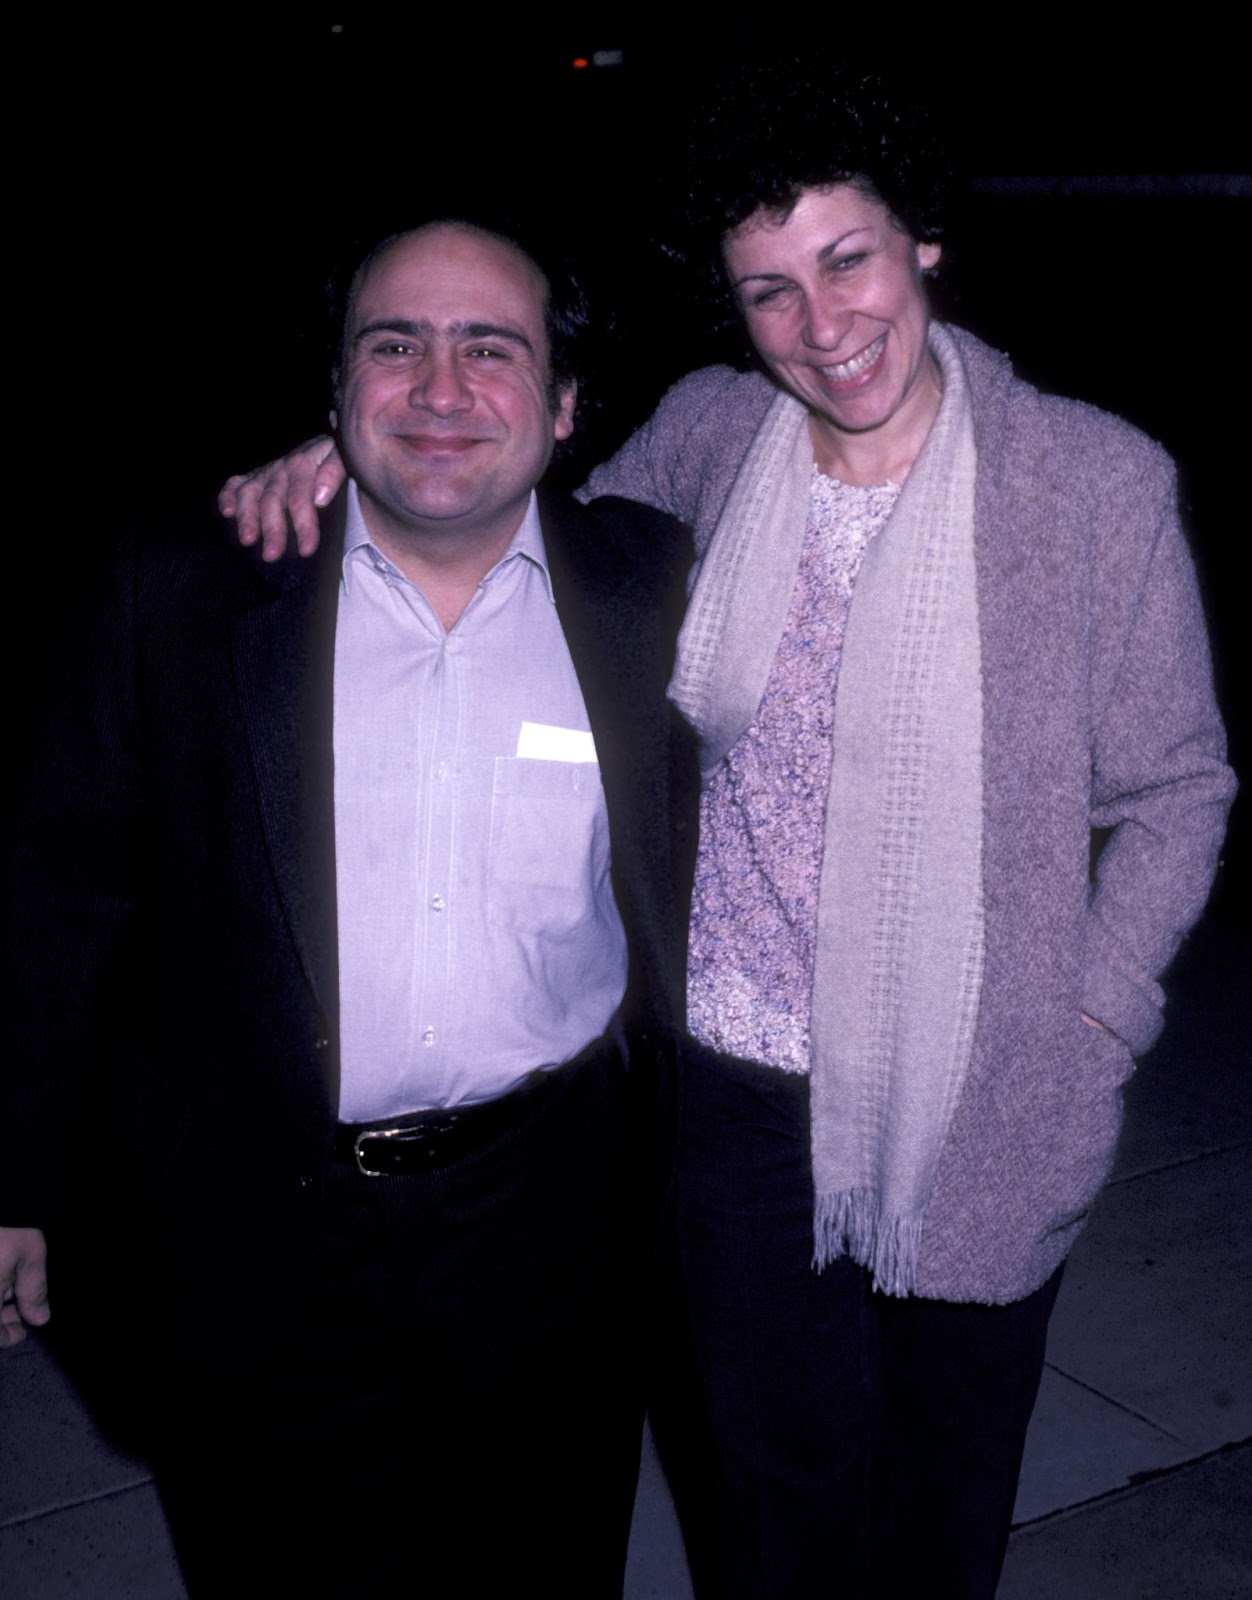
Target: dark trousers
853,1444
458,1409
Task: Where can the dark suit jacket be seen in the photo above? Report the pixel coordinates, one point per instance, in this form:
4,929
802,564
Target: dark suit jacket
173,953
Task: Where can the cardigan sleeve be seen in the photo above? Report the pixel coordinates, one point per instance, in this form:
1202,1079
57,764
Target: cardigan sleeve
1160,783
683,459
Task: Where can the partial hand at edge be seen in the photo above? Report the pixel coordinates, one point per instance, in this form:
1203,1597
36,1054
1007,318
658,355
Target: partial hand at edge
23,1283
293,486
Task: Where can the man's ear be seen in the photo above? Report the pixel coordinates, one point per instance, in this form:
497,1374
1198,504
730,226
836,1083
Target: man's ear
567,401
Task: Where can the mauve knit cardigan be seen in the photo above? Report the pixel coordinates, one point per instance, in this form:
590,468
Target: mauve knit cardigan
1098,712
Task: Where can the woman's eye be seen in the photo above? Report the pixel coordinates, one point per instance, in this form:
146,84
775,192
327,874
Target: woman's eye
769,297
847,263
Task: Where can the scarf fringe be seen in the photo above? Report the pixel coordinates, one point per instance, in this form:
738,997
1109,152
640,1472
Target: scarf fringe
851,1223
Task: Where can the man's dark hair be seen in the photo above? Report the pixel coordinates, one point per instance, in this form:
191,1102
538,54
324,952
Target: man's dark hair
567,316
774,130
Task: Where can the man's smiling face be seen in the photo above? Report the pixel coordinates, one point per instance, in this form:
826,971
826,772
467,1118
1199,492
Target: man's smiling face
447,418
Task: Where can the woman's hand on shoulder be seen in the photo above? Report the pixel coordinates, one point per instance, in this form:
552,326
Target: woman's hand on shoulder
292,487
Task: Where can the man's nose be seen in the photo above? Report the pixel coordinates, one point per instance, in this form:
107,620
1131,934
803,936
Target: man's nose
440,386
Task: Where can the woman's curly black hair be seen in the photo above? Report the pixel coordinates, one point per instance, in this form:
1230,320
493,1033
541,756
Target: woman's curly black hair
776,129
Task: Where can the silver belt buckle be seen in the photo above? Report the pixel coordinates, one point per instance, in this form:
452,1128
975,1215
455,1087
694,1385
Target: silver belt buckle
407,1133
373,1133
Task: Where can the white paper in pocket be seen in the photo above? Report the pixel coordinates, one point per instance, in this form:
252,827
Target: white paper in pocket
539,741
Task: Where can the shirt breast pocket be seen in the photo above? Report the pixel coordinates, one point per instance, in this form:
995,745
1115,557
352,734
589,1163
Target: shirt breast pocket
549,840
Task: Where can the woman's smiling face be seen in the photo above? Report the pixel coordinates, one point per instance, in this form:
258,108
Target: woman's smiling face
834,302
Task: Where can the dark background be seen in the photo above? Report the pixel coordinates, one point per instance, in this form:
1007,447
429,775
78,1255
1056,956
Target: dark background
183,187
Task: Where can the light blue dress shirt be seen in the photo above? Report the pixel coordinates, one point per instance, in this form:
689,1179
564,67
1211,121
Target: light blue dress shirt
478,933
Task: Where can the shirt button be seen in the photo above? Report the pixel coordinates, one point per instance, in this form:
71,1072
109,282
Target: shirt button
436,902
428,1038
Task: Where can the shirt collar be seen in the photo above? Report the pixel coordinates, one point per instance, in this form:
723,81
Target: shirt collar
527,542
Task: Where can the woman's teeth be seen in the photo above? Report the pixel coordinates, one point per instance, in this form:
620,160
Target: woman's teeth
844,370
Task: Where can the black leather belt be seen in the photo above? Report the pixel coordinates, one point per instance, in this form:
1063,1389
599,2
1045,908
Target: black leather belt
425,1140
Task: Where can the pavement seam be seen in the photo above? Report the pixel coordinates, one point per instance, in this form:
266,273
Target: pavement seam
1134,1482
1140,1416
73,1505
1182,1161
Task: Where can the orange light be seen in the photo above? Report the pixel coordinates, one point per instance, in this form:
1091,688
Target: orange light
580,62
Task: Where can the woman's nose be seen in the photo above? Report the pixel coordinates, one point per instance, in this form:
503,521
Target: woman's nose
826,321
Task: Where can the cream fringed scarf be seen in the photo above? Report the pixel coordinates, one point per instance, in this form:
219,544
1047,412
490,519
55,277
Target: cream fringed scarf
899,949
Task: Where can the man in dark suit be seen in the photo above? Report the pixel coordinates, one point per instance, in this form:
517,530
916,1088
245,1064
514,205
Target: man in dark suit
345,891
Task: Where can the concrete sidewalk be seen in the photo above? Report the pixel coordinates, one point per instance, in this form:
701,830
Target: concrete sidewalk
1138,1473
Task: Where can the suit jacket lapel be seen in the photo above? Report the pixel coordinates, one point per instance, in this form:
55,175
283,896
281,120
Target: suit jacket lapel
614,631
580,605
284,664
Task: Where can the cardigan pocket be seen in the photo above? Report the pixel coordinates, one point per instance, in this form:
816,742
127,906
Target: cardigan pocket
1110,1055
1073,1146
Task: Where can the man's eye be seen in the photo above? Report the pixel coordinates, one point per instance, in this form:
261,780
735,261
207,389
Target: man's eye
392,349
487,352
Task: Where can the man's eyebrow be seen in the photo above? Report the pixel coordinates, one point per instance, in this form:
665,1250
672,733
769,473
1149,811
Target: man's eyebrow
412,330
493,330
457,330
